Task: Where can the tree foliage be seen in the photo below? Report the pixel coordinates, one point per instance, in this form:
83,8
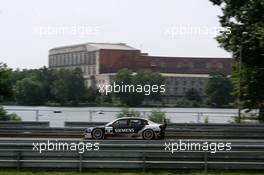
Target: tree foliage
157,116
141,77
68,86
41,86
218,90
8,117
29,91
5,82
126,112
193,95
245,19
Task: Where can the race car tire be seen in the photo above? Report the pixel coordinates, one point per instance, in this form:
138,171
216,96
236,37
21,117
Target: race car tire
148,134
97,134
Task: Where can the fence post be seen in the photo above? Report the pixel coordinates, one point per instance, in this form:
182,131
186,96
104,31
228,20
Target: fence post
18,160
90,116
198,117
144,114
144,161
205,161
80,162
37,115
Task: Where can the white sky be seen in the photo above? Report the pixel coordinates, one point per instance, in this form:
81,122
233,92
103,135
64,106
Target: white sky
29,28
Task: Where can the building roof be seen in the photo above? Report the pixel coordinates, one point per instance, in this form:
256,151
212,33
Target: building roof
115,46
91,47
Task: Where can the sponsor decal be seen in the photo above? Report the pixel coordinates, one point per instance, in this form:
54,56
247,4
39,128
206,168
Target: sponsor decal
124,130
108,130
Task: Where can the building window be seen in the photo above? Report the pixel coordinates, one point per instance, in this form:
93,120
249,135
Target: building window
74,59
82,58
64,59
93,70
176,90
87,58
70,59
67,59
55,60
88,70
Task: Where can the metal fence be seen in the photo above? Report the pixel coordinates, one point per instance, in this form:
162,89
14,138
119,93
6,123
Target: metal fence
58,117
137,155
173,130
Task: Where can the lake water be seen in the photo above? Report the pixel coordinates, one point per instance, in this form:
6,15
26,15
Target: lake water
106,114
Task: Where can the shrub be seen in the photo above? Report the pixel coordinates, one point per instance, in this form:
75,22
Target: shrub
157,116
126,112
8,117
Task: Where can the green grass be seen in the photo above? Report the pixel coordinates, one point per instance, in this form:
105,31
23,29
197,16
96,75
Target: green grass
5,172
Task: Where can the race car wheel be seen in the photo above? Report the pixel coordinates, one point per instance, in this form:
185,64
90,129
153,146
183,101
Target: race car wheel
148,134
98,134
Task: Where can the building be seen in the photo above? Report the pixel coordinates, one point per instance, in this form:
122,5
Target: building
100,61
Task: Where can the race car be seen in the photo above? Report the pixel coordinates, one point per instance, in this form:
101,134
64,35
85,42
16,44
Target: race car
127,127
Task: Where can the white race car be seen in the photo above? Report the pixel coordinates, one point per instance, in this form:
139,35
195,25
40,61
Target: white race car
127,127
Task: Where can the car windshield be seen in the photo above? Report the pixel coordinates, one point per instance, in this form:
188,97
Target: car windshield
109,123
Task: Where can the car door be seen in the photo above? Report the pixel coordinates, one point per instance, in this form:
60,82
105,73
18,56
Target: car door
121,128
137,124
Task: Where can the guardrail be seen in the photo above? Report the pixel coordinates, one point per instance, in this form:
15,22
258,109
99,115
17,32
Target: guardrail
92,115
138,155
173,130
27,124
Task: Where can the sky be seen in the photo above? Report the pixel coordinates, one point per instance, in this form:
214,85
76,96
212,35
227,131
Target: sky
184,28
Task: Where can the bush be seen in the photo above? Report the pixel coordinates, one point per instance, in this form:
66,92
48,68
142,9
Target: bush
126,112
157,116
8,117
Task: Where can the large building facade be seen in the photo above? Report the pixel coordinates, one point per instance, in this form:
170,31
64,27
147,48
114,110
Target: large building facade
99,63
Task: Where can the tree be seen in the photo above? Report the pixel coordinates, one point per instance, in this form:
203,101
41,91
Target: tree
124,76
126,112
68,87
218,90
245,41
149,77
91,94
5,82
157,116
142,78
193,95
29,91
8,117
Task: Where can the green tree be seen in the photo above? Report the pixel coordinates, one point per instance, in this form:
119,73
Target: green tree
91,94
141,77
8,117
29,91
245,41
68,87
5,82
218,90
149,77
193,95
126,112
157,116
